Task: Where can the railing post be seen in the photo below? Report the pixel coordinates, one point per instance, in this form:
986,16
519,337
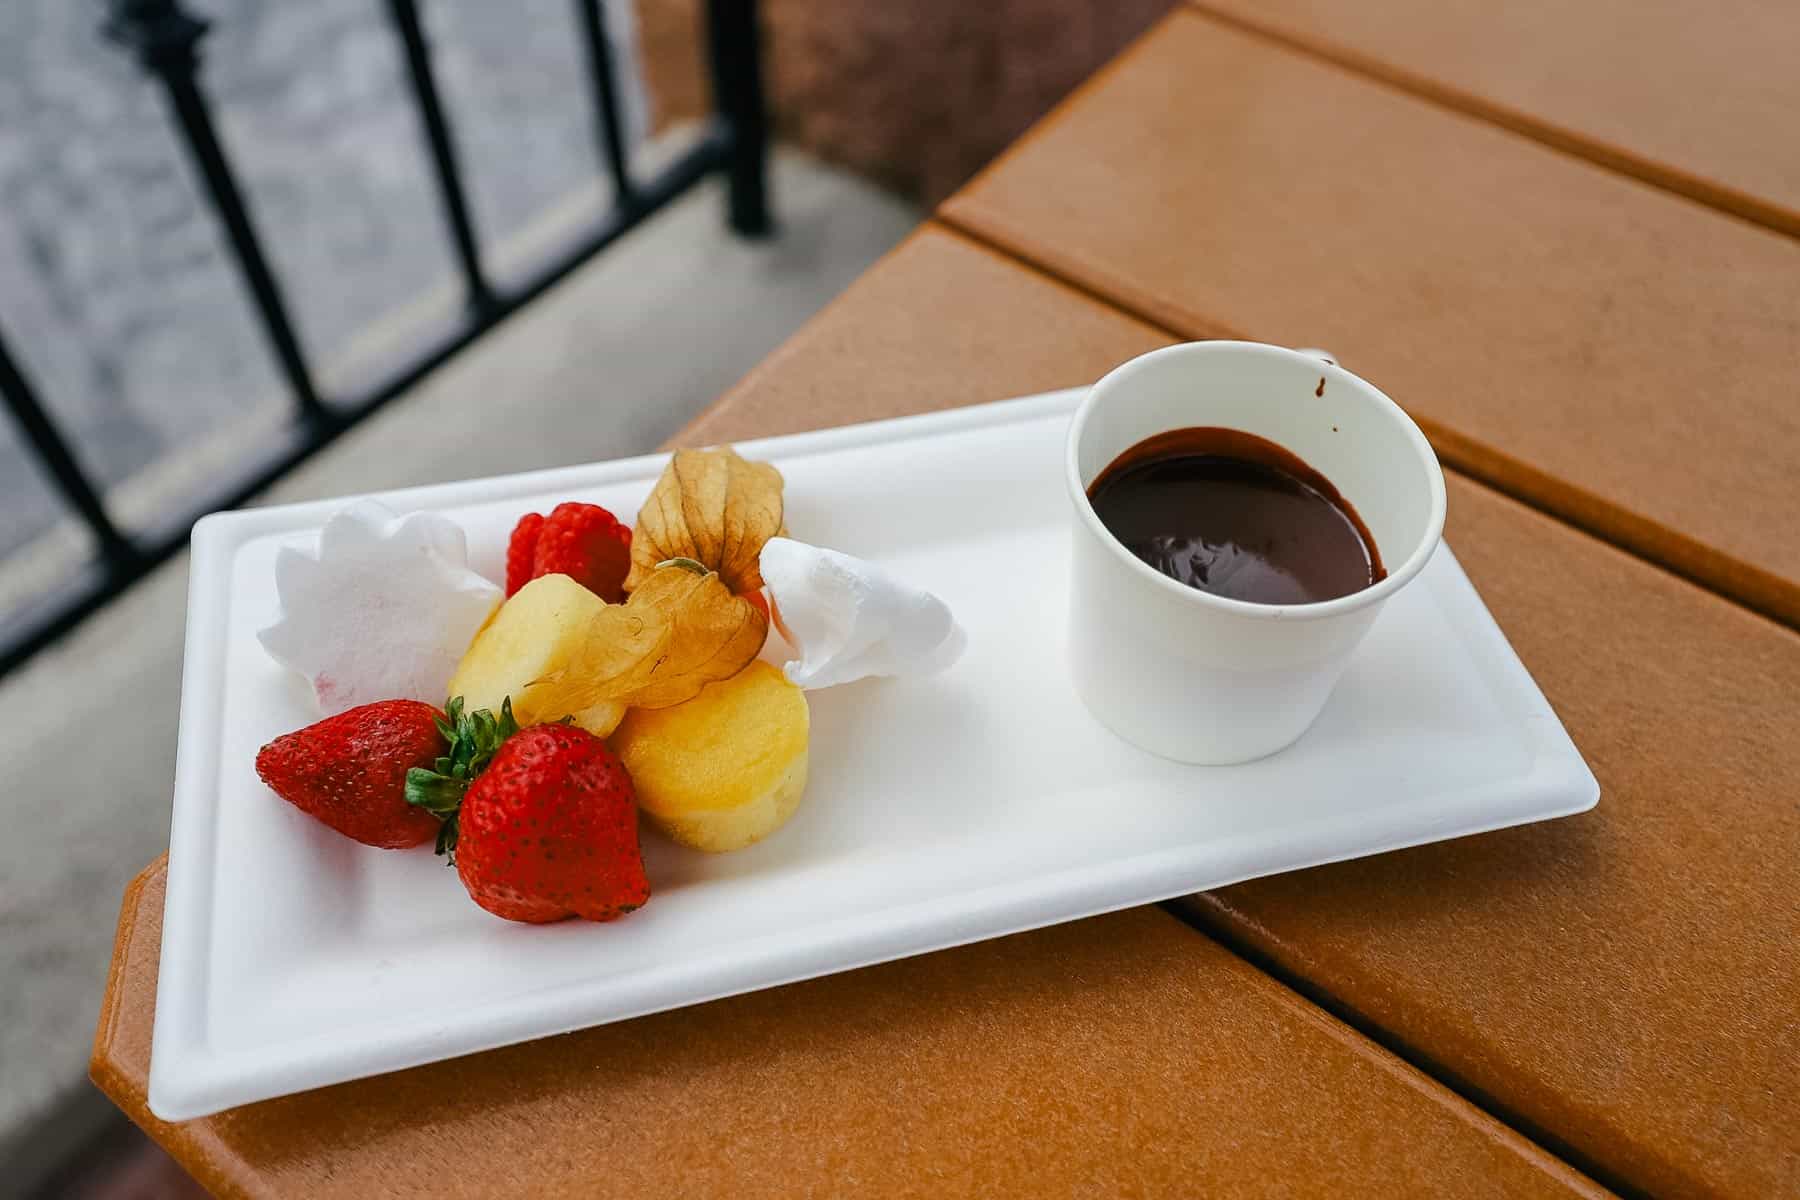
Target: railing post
735,47
405,15
607,124
166,39
53,450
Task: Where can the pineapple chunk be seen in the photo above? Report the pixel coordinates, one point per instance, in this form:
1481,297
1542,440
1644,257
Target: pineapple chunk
541,630
724,769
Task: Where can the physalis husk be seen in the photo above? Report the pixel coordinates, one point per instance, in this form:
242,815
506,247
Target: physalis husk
713,507
678,631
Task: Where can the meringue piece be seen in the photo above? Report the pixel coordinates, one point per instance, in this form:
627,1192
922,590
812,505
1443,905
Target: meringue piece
384,611
848,618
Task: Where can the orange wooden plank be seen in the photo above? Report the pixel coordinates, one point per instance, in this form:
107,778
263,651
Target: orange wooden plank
1696,98
941,322
1607,351
1126,1055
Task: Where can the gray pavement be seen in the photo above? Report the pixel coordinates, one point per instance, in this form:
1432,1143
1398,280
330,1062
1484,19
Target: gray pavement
608,364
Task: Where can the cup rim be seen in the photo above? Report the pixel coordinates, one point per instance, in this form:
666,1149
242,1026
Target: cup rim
1396,578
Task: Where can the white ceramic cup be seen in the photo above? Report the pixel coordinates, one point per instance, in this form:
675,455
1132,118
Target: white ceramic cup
1204,679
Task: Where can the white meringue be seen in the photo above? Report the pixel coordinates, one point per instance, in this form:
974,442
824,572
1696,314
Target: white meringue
384,611
848,618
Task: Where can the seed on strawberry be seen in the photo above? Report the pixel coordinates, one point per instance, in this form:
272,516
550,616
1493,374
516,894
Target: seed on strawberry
349,770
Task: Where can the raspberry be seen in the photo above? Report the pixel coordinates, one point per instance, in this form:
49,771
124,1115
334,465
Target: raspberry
521,552
586,543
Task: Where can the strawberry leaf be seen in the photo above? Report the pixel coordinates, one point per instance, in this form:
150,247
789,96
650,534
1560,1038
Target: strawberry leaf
474,738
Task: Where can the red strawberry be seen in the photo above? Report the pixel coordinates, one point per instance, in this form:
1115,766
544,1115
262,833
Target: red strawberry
349,771
548,830
586,543
521,551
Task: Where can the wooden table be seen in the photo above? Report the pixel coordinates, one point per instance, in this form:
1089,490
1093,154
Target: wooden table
1604,1003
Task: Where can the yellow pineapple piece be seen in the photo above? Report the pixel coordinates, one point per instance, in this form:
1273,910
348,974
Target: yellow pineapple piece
540,631
724,769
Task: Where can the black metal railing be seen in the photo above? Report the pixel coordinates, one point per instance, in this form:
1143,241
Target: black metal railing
166,39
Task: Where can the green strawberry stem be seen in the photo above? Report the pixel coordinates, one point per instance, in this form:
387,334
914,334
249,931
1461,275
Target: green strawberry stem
473,738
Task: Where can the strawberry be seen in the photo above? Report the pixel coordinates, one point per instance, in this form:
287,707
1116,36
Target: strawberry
582,541
521,551
541,823
350,770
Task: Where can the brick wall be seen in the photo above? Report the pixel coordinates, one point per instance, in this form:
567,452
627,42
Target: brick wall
917,94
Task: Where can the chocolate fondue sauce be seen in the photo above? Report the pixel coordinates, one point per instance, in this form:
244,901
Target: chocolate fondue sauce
1236,515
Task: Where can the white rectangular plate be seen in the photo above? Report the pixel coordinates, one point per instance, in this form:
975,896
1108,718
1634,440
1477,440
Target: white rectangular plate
940,811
